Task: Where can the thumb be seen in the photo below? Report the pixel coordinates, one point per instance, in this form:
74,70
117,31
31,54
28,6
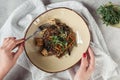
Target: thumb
19,51
84,62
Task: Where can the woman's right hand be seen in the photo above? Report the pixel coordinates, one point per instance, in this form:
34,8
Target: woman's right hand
8,58
87,66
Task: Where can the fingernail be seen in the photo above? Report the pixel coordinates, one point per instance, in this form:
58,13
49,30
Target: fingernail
84,55
23,43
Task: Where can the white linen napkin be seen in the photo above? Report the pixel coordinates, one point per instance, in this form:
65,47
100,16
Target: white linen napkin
19,21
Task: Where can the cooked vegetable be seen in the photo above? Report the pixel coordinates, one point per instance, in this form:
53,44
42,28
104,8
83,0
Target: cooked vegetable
44,52
39,41
110,13
57,39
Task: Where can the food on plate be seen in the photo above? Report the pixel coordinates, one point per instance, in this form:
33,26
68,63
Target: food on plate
56,38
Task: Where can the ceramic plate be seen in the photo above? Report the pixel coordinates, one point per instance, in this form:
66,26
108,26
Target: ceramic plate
52,63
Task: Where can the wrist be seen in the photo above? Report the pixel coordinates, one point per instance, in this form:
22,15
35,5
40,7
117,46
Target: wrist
3,73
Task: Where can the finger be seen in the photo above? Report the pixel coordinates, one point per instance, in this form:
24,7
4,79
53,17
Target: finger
92,60
7,39
84,62
19,51
12,37
5,42
11,44
19,41
14,43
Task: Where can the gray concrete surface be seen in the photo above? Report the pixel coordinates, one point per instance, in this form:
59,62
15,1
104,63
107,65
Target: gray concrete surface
8,6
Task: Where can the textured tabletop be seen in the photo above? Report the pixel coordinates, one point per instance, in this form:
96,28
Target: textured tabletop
110,34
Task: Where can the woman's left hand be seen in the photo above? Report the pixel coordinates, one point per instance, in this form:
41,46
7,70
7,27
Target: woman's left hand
87,66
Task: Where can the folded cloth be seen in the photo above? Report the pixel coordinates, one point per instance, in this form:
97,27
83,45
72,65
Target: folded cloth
21,18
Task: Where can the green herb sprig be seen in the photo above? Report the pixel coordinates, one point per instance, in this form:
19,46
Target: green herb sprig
59,40
110,13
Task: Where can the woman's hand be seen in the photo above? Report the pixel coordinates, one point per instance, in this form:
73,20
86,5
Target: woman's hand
87,66
7,57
